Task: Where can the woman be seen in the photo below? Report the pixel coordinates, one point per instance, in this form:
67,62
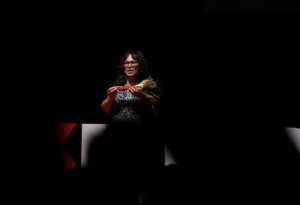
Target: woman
126,106
137,149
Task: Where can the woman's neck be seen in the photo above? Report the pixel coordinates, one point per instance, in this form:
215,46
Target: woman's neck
132,81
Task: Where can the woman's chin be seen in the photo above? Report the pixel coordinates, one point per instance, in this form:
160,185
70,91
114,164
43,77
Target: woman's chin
130,75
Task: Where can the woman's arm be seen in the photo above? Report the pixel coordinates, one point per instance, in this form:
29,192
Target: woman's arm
148,101
106,104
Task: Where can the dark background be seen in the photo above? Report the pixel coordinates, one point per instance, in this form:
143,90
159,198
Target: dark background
248,6
71,65
222,76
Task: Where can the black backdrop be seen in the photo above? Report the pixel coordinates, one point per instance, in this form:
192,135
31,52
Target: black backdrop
78,63
66,65
255,6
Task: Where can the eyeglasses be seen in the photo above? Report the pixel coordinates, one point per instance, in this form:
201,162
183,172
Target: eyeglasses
131,62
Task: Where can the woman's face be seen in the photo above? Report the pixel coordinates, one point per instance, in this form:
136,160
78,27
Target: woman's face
131,66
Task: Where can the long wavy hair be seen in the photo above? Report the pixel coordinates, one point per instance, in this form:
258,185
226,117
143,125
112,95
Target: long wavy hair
143,71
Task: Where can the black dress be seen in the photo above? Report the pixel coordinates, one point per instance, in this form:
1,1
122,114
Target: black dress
128,109
137,151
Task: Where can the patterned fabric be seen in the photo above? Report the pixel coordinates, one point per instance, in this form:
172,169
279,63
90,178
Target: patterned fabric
127,109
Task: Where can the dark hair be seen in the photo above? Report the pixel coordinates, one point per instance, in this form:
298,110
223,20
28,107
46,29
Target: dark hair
143,71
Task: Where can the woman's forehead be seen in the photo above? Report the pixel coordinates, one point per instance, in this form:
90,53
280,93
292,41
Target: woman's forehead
129,58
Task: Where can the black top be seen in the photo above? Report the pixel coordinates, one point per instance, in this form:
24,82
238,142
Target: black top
128,109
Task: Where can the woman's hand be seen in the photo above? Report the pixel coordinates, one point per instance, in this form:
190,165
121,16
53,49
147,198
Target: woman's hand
149,102
136,93
106,104
112,92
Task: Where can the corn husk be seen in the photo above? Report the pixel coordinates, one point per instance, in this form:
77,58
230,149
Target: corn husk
149,88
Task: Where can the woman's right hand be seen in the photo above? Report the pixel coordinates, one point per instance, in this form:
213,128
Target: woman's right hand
112,92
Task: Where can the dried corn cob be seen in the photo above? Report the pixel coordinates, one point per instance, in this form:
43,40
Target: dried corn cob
126,87
148,87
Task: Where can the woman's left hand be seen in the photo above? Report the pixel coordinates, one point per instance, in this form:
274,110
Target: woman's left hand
136,93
